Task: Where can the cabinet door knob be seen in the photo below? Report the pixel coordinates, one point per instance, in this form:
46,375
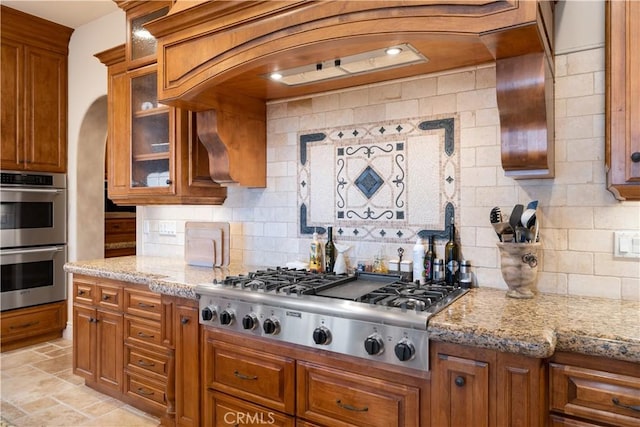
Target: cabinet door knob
184,320
635,157
169,182
459,381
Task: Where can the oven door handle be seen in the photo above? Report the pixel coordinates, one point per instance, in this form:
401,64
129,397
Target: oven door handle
33,190
32,251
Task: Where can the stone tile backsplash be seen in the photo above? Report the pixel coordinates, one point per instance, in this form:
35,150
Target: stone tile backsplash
578,215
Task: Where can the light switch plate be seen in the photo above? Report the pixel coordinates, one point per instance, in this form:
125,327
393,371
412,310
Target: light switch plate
626,244
167,228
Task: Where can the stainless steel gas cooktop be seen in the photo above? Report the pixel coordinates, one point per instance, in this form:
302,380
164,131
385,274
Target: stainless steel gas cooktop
373,316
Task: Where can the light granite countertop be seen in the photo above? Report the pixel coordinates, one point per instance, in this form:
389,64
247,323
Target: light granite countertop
484,317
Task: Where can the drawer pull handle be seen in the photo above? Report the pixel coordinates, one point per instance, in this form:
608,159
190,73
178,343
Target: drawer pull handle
144,391
622,405
350,407
459,381
144,363
143,305
145,336
106,297
81,292
24,325
244,377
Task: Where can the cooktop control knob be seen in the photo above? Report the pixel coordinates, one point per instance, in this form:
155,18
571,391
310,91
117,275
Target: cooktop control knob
322,336
374,344
227,317
250,321
208,313
271,326
405,350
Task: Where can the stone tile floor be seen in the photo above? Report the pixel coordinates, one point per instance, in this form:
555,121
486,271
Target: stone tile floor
38,388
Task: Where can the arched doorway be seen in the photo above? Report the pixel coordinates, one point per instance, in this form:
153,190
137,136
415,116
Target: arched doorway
89,206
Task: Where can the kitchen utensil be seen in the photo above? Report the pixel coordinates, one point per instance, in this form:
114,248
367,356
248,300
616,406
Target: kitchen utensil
495,217
528,217
533,205
516,215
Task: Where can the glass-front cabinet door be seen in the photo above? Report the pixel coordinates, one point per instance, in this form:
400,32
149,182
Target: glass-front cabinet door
141,45
152,132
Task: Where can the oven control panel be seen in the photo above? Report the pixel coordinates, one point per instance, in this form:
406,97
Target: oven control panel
395,345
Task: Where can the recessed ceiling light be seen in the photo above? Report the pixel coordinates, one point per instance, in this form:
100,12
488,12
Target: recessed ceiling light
365,62
393,50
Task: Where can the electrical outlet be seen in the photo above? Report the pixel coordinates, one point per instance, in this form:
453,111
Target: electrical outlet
167,228
626,244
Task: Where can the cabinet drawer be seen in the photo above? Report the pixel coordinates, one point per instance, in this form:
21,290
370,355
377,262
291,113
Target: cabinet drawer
144,388
143,331
120,225
146,362
257,376
595,395
109,297
23,323
338,398
224,410
144,304
83,292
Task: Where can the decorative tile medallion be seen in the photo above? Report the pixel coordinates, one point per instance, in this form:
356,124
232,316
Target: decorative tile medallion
374,181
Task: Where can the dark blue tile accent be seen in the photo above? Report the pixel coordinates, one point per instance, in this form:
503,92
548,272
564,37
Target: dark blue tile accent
340,231
449,179
449,213
400,146
382,130
355,231
340,135
355,133
340,214
304,140
340,151
369,182
399,214
303,183
399,234
304,229
448,126
383,233
399,128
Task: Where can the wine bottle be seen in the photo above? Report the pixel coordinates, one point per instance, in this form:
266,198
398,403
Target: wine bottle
451,258
329,252
429,257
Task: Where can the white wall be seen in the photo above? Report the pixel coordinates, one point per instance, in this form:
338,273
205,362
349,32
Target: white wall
87,83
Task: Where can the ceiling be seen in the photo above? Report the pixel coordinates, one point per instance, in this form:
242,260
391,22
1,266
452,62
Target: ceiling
71,13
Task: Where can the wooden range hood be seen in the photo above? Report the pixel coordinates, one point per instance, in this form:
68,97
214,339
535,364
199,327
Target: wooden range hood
213,57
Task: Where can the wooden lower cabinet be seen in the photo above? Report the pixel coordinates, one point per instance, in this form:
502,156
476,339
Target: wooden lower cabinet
480,387
587,390
335,397
224,410
259,380
31,325
187,376
117,343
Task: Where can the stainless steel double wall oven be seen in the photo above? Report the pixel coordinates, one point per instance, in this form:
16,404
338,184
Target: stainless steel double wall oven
33,238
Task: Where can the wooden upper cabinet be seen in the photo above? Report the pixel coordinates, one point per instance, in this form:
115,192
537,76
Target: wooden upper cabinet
622,152
155,156
34,93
